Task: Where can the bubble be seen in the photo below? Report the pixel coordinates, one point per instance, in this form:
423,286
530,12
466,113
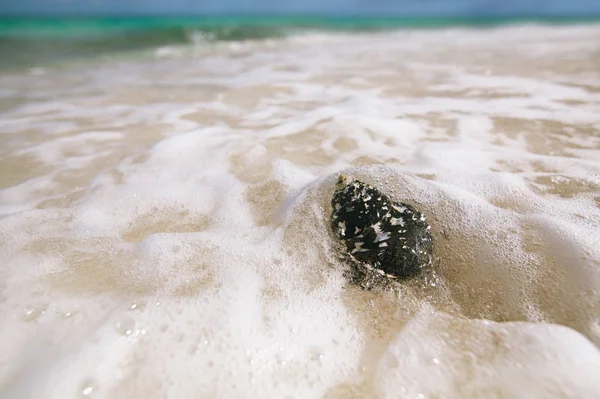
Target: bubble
34,313
137,306
125,327
87,388
315,354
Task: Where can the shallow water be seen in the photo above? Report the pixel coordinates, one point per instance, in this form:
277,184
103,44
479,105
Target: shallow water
163,218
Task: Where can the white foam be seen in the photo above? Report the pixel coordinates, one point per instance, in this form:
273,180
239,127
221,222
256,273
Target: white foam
509,359
164,227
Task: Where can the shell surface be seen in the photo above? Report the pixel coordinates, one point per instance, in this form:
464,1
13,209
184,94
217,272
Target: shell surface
384,238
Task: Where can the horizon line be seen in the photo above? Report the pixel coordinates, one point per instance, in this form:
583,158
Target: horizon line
300,15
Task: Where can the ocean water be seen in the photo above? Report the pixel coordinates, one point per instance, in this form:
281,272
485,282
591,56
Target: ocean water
164,209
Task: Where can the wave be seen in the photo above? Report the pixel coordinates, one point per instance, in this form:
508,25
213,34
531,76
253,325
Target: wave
28,42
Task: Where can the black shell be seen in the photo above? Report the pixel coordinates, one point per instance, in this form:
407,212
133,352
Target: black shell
389,238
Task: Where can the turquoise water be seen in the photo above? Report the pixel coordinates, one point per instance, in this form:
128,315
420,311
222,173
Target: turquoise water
27,42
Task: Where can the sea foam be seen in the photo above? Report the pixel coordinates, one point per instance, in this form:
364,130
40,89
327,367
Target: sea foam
164,222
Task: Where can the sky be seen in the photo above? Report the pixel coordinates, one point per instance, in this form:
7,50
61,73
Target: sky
378,7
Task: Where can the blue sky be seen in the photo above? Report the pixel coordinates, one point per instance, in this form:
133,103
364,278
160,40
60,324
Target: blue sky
385,7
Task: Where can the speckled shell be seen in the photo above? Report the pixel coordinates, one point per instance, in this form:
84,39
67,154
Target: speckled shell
392,239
